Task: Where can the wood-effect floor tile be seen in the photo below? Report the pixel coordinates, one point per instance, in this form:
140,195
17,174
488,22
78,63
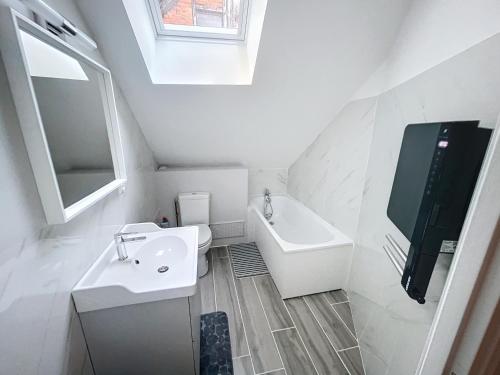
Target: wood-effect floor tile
264,307
263,350
324,357
227,301
352,359
344,310
87,368
336,296
295,358
242,366
273,304
220,252
335,329
207,289
277,372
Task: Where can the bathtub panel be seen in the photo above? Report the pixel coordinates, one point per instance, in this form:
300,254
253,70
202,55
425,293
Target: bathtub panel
306,272
315,272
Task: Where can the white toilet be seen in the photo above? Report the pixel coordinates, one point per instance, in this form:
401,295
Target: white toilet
194,209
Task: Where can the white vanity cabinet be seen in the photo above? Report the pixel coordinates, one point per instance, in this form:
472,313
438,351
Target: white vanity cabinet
141,315
161,337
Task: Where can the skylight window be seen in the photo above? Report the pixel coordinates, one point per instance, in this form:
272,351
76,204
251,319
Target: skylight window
214,19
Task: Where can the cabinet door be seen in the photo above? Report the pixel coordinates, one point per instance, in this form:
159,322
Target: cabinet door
148,339
195,312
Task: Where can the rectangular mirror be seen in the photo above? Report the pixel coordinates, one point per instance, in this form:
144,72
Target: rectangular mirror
67,110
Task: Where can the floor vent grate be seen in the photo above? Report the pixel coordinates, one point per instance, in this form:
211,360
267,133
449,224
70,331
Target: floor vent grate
246,260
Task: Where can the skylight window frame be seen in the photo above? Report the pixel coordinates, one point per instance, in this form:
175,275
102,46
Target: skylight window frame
199,32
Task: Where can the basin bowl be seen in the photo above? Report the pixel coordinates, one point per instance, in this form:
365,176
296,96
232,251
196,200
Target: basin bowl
165,249
163,266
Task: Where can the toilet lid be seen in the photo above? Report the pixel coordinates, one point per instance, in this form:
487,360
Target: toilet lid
204,234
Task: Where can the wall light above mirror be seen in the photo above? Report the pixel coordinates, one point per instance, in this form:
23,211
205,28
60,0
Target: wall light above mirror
66,107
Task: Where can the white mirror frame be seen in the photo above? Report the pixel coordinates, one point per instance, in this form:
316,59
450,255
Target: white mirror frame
11,22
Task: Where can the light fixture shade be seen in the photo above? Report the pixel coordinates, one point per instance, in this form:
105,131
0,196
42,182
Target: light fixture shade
57,20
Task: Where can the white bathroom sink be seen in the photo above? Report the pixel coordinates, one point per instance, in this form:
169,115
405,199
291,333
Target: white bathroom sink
112,283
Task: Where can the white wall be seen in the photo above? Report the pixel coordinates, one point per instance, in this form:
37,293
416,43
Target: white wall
39,264
432,32
312,57
177,61
329,176
231,187
274,179
443,67
228,187
392,328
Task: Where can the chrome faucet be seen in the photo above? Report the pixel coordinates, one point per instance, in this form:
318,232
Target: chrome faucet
268,208
267,196
120,239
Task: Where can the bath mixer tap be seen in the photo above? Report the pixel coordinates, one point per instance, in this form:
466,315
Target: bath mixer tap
268,208
121,238
267,194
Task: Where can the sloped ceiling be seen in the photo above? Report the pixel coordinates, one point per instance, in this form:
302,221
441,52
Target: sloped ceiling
313,56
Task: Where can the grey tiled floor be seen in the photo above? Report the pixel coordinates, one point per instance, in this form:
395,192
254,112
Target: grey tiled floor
299,336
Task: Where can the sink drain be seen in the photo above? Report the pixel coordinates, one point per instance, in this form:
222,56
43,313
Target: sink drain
163,269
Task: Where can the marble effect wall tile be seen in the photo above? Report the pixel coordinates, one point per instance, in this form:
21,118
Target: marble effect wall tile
329,175
391,327
346,177
40,264
274,179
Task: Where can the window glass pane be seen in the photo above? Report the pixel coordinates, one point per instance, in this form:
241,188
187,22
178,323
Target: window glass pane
209,19
223,14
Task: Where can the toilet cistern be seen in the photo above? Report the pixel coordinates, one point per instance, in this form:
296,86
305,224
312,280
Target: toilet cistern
121,238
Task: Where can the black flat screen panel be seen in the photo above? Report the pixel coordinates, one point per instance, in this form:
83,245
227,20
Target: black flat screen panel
415,157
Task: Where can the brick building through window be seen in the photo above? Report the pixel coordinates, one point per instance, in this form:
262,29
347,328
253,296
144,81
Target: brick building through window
204,13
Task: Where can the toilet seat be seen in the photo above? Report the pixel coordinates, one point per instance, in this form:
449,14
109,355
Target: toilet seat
204,235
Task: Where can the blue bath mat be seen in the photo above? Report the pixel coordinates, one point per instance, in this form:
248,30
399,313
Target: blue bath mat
215,345
246,260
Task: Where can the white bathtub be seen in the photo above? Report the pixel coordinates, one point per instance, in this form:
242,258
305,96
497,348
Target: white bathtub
303,252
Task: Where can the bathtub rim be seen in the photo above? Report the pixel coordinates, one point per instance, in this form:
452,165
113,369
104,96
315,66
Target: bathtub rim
340,238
